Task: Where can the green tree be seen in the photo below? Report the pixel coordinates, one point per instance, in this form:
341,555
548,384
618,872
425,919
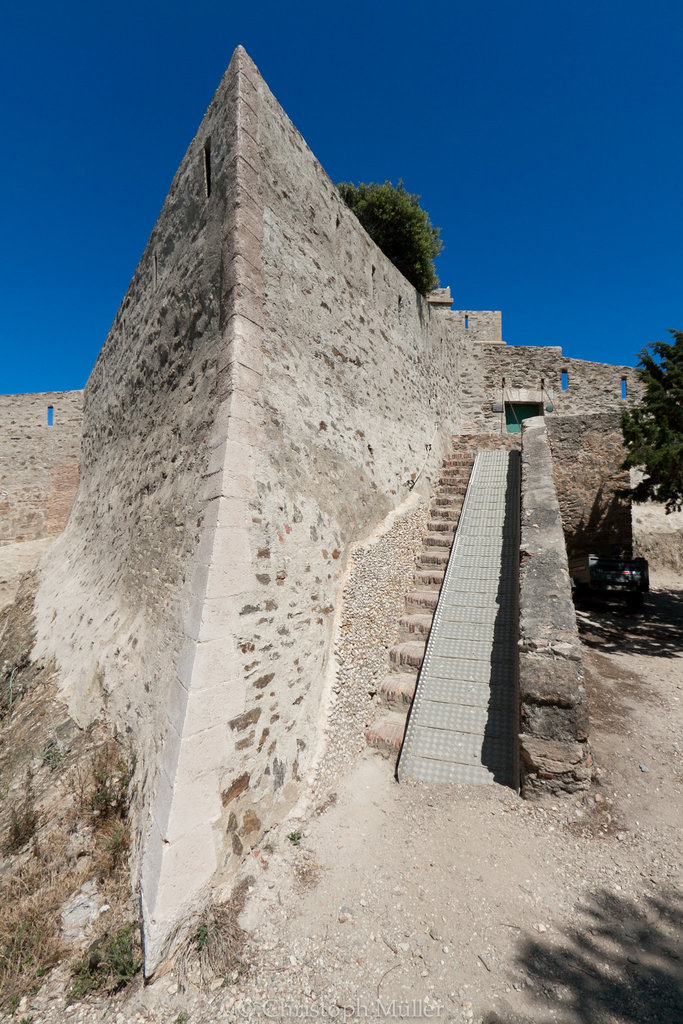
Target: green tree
653,429
400,227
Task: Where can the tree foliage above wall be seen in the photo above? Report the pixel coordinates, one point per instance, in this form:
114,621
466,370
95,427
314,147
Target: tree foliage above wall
653,430
400,227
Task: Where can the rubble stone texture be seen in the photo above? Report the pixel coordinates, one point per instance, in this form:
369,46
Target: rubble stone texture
554,749
38,463
588,455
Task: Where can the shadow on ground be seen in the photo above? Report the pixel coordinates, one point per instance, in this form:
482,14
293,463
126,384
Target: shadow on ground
619,964
657,631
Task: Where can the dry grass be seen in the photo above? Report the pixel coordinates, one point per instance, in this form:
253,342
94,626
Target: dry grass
31,897
23,820
216,946
63,821
41,877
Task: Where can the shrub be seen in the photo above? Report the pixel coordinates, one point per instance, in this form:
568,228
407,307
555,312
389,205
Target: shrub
400,227
111,776
111,966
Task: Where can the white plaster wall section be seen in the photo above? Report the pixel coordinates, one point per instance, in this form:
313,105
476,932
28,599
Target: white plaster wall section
182,853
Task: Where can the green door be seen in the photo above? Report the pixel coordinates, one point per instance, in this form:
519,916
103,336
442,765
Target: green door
515,412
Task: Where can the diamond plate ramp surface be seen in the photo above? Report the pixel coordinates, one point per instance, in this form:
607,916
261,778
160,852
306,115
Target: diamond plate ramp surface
463,722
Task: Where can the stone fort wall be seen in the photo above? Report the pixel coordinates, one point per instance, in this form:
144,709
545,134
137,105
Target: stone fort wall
270,389
528,374
40,441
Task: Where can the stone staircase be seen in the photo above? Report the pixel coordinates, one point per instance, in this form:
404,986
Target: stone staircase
397,689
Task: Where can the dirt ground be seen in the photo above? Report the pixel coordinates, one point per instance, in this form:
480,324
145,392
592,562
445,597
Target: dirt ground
468,904
465,903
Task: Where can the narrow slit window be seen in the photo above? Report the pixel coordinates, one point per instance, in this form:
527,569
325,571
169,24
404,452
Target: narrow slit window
50,415
565,380
207,166
624,388
467,323
156,271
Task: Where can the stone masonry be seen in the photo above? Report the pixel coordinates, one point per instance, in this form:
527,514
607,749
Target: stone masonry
40,441
588,455
554,750
270,389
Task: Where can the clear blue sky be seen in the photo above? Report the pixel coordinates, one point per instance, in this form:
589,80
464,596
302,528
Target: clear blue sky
545,137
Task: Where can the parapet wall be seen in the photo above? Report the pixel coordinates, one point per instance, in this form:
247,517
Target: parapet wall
554,750
563,387
588,454
476,325
40,441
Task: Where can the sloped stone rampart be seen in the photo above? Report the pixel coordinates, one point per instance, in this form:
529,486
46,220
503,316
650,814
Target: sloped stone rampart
554,728
38,463
129,631
270,388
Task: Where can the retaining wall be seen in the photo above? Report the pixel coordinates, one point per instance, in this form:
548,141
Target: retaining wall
554,744
588,454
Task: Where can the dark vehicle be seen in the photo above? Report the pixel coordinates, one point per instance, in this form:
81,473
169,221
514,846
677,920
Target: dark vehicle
610,577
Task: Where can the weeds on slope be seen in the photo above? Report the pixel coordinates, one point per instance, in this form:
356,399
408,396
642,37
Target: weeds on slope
68,825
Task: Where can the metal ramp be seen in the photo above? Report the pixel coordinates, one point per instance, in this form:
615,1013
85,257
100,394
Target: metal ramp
463,721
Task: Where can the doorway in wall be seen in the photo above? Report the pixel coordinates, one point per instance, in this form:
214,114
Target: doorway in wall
515,412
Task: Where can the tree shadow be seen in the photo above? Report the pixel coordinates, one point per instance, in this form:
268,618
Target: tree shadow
607,530
657,631
621,963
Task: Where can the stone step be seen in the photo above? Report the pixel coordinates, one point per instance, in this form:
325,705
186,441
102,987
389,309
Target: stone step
448,501
415,627
432,557
407,655
448,486
418,600
443,512
459,459
386,733
429,579
441,526
438,540
397,690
